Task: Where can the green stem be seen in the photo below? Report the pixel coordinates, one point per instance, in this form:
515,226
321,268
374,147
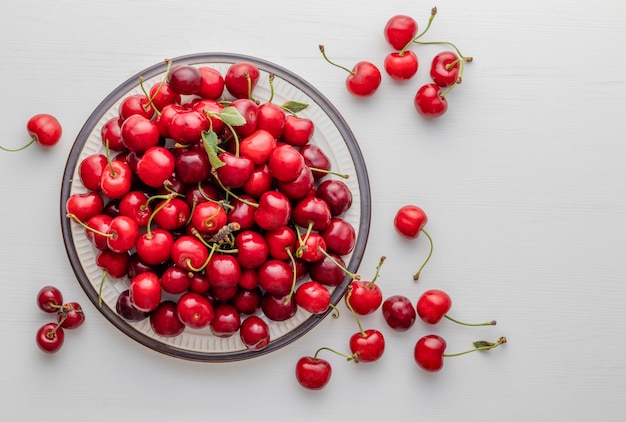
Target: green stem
468,324
380,264
104,275
489,346
433,12
20,148
356,317
323,51
416,276
348,357
295,276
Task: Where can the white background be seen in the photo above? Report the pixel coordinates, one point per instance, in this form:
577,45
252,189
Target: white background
523,181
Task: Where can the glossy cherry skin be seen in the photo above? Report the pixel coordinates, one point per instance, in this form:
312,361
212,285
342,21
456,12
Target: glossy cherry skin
278,307
116,179
297,131
313,297
186,126
281,242
316,159
226,320
312,211
111,134
100,223
313,373
340,236
259,182
125,308
254,333
211,109
195,310
236,170
135,104
223,270
208,217
155,247
162,95
50,337
444,69
241,79
252,248
364,79
400,30
336,194
433,305
258,146
271,118
399,313
367,346
145,291
428,352
175,280
71,315
45,129
276,277
139,133
164,320
429,102
135,205
84,205
247,301
90,171
326,272
250,112
192,165
303,185
114,263
243,212
274,211
185,79
285,163
409,220
123,233
173,214
364,297
189,253
401,66
212,84
49,299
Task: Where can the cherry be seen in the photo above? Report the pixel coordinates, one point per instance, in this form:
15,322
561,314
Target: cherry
399,313
272,119
400,30
154,246
208,217
434,304
223,270
185,79
43,129
139,133
429,351
49,299
50,337
336,194
285,163
116,179
409,221
444,69
367,345
281,242
96,228
172,213
125,308
162,94
135,104
278,307
90,171
84,205
123,233
243,212
313,297
114,263
430,102
252,248
401,65
254,333
192,165
297,131
135,205
328,270
260,181
111,134
312,372
274,210
164,320
212,84
241,78
70,315
363,80
226,320
189,253
145,291
316,159
247,301
258,146
186,126
300,187
340,236
194,310
249,110
312,248
276,277
236,170
365,297
312,211
213,110
175,280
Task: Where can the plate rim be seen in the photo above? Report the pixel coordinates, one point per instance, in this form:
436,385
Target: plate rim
195,59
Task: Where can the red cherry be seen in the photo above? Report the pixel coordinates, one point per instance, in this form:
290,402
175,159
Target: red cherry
145,291
192,165
299,187
409,221
111,134
281,242
398,312
259,181
139,133
328,270
223,271
285,163
430,102
254,333
136,104
258,146
114,263
175,280
340,236
336,194
212,84
278,307
273,212
194,310
172,213
189,253
155,246
252,248
135,205
186,126
400,30
364,78
236,170
49,299
50,337
243,212
123,233
116,179
313,373
208,217
444,69
434,304
313,212
96,229
276,277
70,316
226,320
429,351
211,109
401,66
365,297
367,345
312,248
313,297
316,159
162,94
297,131
84,205
241,79
249,110
90,171
247,301
164,320
126,310
271,118
185,79
44,129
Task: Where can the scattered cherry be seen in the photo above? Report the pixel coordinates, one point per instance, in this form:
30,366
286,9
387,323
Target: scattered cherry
50,337
43,129
434,304
399,312
409,221
313,373
364,78
49,299
429,351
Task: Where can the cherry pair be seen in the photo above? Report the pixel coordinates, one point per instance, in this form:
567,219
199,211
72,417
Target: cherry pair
51,336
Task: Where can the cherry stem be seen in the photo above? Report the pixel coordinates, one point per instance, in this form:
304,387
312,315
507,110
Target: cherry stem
479,346
107,153
335,313
225,231
323,51
302,240
151,98
203,266
348,357
91,229
229,192
433,12
50,334
319,170
295,276
380,264
416,276
271,81
461,62
353,276
356,317
493,322
162,205
20,148
104,275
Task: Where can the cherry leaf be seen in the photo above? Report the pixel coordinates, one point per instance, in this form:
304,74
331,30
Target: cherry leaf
210,140
231,116
482,343
294,106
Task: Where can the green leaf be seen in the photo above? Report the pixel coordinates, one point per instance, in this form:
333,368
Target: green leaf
294,106
231,116
482,343
209,140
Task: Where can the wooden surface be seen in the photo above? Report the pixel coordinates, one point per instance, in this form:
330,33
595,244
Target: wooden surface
523,181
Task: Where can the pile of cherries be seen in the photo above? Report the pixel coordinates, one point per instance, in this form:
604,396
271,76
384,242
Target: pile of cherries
51,336
215,210
401,33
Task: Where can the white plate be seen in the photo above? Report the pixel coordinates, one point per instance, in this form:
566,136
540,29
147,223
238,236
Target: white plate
332,134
